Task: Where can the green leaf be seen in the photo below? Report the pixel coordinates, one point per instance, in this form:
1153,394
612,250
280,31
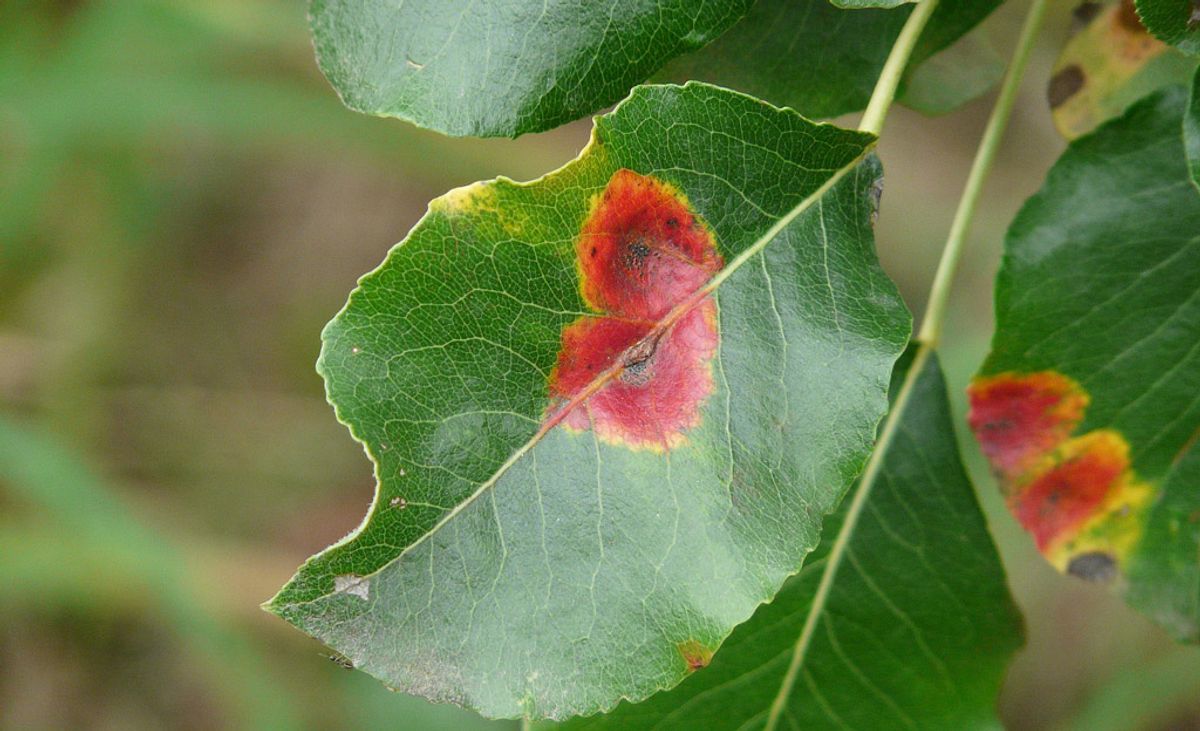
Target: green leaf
965,70
505,67
809,55
1191,131
1089,405
1109,64
1173,21
915,632
519,561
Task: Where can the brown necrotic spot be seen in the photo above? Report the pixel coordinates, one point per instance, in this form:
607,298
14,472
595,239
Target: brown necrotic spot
1095,566
876,198
1085,12
637,368
635,255
695,654
1064,85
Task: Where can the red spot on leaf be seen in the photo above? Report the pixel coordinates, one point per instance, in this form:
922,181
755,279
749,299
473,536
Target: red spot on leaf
1020,418
695,654
638,371
1078,497
1057,501
641,250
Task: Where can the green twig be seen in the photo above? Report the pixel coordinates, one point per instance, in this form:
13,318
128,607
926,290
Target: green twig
939,293
893,68
873,122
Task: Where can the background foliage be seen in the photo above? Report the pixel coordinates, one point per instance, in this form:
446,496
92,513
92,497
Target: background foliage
183,205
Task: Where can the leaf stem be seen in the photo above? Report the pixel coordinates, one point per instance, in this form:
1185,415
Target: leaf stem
985,155
836,554
931,325
872,121
893,68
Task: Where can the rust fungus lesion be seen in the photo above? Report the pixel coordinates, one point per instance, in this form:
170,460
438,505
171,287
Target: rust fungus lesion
1019,418
1076,495
696,655
638,370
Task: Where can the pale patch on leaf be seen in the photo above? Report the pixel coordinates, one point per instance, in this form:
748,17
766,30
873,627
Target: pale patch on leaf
1108,64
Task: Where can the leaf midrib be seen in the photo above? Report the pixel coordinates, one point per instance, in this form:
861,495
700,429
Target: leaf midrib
618,365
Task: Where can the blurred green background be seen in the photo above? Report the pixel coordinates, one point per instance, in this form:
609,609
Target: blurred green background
183,204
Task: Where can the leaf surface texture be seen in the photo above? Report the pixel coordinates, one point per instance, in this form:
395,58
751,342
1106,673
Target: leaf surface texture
542,543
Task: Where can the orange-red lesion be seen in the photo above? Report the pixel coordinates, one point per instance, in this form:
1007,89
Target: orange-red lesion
1073,494
696,655
639,369
1072,488
1018,418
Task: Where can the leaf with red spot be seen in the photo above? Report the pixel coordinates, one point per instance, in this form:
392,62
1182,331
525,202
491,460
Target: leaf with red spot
1088,407
644,260
608,409
915,631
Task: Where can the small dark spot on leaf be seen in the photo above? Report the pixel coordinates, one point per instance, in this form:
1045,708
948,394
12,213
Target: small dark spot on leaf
342,661
593,251
637,366
876,198
642,352
637,362
1095,566
1086,11
636,373
1064,85
673,222
636,253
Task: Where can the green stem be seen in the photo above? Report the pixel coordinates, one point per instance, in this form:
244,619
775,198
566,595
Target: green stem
893,68
837,553
873,122
939,293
